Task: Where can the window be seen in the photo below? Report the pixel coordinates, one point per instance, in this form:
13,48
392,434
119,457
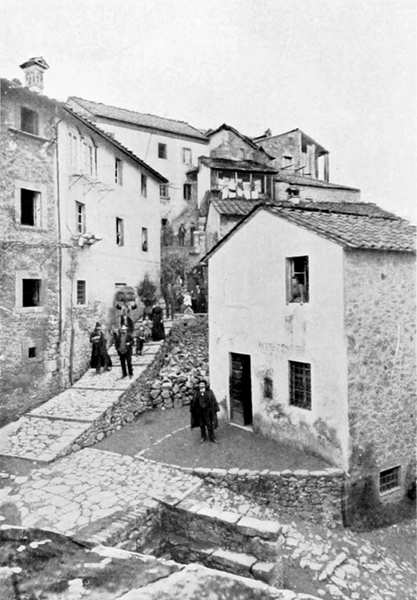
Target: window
118,171
286,161
143,185
32,352
297,279
162,150
119,232
81,292
29,121
144,239
31,292
389,479
268,387
90,159
30,208
80,217
300,384
163,190
187,157
187,191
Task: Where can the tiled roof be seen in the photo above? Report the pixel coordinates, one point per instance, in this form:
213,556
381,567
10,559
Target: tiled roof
136,118
299,180
369,228
234,208
236,165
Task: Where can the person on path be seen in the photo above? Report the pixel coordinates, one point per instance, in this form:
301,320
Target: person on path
123,342
181,234
158,331
187,301
204,409
99,355
140,334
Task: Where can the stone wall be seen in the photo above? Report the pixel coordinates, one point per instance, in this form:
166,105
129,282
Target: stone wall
185,362
380,330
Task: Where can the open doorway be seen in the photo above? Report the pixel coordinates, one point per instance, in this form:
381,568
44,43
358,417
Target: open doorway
240,389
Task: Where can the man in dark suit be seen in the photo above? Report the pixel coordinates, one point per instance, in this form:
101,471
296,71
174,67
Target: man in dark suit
204,410
123,342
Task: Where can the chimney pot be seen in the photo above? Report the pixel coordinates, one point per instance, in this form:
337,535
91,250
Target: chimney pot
34,69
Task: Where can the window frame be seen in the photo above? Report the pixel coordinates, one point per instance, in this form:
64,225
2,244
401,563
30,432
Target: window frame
162,150
144,240
187,152
143,185
386,473
36,208
118,171
120,232
165,187
34,114
82,292
39,293
305,389
291,272
187,196
80,224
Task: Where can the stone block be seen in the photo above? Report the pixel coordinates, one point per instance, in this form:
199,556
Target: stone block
223,516
269,572
258,527
234,562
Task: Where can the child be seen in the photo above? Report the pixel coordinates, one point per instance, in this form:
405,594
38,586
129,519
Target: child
140,334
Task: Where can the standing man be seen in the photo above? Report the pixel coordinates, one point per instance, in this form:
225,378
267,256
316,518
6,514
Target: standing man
123,342
181,234
204,410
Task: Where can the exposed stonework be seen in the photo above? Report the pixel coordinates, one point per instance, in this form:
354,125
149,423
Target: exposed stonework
380,332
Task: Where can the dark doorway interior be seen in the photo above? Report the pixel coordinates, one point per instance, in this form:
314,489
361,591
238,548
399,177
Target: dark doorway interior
240,389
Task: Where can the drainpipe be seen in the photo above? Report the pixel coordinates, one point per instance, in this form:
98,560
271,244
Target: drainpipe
59,249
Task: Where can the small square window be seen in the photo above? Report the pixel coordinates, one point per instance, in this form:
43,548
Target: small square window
29,208
144,239
120,241
29,120
143,185
32,352
163,190
81,292
297,279
31,292
187,191
80,217
118,171
389,479
162,150
300,384
187,156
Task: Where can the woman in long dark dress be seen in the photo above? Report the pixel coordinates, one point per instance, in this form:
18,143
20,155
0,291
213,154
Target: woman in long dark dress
99,355
158,331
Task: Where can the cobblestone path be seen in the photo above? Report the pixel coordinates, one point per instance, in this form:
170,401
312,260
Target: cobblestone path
82,488
47,431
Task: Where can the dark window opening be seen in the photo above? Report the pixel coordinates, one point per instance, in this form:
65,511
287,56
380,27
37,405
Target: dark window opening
164,222
162,150
163,190
29,121
119,232
81,292
118,171
31,292
144,239
300,384
143,185
297,279
389,479
32,352
80,217
29,207
187,191
268,387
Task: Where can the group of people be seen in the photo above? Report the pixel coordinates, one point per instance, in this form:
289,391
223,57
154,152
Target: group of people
127,339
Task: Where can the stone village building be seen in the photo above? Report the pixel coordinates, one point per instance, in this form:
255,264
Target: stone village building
326,361
79,220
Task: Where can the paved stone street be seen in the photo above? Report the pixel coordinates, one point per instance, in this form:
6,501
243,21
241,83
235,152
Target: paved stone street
49,430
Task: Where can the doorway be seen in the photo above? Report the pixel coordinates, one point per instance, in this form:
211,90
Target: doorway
240,389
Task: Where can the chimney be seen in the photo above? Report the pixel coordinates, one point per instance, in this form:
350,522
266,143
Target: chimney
34,68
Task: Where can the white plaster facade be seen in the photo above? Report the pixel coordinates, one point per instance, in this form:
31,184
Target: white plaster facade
248,314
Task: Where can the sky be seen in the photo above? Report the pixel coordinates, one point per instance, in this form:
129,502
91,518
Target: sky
343,71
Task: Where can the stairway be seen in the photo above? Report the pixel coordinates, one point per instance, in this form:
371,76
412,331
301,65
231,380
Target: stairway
56,427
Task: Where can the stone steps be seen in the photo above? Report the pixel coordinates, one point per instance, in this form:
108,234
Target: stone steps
54,428
222,540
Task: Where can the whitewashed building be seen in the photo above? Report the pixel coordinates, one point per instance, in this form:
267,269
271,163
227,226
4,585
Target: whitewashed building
312,334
